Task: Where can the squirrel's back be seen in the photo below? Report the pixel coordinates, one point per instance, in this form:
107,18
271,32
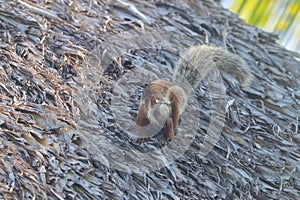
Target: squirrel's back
198,61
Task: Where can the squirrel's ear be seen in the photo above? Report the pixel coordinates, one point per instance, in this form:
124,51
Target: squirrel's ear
153,100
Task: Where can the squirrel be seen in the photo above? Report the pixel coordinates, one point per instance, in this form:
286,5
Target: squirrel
163,102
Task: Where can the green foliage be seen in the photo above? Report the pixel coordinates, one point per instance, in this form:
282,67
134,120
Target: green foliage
277,16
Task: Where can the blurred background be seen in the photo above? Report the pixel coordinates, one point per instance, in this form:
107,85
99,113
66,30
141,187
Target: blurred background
278,16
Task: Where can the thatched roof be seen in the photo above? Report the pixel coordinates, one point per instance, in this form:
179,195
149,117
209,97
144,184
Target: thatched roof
72,73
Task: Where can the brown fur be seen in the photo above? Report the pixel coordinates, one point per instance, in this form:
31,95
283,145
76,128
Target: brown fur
164,91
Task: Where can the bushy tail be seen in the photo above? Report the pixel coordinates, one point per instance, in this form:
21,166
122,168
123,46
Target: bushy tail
198,61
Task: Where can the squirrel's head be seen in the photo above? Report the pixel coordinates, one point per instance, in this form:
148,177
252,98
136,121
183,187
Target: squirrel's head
160,111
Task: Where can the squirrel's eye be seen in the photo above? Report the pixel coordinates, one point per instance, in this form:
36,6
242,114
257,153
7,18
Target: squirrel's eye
153,100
